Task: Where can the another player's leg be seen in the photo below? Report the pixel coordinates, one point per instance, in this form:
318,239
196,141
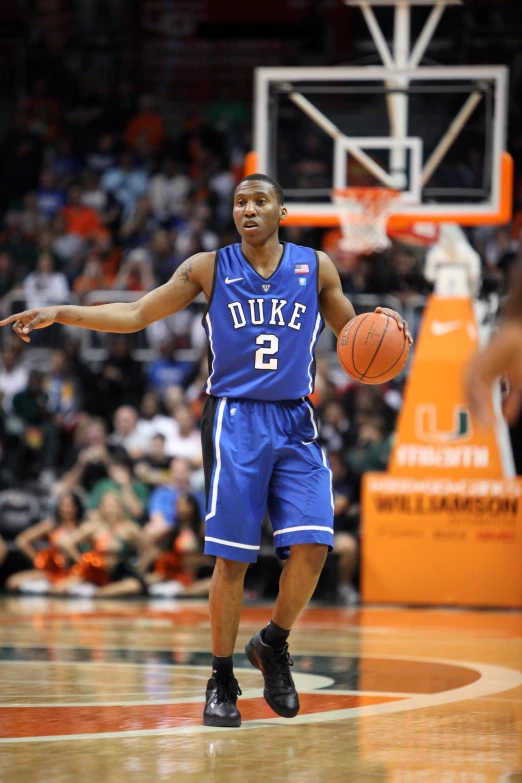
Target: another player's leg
268,649
225,602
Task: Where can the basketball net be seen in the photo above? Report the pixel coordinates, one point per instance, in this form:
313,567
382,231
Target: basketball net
363,216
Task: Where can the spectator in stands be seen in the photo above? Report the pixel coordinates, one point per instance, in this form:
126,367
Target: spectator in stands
88,461
121,481
103,155
7,273
13,376
104,248
335,427
162,502
50,198
121,379
145,132
66,245
126,183
166,370
63,390
65,164
39,437
162,255
227,114
168,192
93,196
195,141
112,539
346,526
153,468
42,545
23,251
135,273
91,279
187,443
125,434
80,219
44,286
177,559
221,183
372,447
18,510
140,224
30,219
195,238
152,421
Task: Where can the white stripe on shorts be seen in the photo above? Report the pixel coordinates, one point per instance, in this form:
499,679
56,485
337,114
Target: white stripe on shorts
312,417
230,543
217,452
325,463
302,527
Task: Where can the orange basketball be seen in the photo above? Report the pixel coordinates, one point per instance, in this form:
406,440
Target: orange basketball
372,349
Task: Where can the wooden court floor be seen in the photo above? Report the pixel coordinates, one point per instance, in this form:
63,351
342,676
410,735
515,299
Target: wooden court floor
112,693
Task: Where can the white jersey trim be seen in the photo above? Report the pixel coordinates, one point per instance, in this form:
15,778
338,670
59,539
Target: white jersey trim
312,346
209,325
230,543
217,452
302,527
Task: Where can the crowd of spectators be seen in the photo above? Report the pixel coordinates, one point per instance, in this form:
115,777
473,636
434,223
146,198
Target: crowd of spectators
101,480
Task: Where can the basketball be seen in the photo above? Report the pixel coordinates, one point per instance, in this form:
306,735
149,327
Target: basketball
372,349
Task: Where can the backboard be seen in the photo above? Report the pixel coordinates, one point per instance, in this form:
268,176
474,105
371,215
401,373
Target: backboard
436,133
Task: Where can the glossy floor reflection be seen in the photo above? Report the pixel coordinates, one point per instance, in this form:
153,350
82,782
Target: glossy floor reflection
112,692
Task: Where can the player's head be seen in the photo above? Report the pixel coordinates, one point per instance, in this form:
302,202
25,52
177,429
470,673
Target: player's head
258,208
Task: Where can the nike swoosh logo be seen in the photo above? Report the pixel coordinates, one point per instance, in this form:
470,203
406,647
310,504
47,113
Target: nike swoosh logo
440,328
229,280
307,442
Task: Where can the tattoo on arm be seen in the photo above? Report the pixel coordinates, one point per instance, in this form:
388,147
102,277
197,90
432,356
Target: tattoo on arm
185,270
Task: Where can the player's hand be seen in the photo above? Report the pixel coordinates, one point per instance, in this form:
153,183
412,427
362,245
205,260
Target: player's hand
401,323
24,323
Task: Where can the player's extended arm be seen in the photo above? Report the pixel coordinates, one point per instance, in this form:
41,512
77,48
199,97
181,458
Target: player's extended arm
188,281
337,310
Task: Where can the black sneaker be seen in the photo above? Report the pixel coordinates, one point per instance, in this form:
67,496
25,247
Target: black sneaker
274,665
220,709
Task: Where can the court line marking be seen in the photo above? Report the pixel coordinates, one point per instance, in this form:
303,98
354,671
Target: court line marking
251,693
306,682
494,679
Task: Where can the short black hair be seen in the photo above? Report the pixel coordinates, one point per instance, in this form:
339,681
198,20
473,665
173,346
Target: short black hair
264,178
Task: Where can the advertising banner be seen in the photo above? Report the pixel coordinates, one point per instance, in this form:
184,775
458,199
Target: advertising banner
444,524
442,541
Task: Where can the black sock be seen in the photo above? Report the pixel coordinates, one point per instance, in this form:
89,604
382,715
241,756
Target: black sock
222,667
274,635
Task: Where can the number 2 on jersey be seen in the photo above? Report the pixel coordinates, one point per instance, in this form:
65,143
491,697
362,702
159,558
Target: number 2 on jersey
261,363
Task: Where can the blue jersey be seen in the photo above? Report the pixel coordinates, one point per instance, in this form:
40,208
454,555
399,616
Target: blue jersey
262,332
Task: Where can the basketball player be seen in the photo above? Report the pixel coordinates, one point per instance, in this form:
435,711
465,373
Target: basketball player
502,357
267,303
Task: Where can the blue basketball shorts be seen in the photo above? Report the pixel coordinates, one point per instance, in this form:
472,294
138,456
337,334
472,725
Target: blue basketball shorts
261,456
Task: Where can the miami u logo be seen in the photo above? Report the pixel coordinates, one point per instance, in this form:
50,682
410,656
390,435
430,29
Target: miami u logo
427,430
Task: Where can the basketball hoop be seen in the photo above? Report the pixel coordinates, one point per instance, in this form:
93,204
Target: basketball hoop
363,215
